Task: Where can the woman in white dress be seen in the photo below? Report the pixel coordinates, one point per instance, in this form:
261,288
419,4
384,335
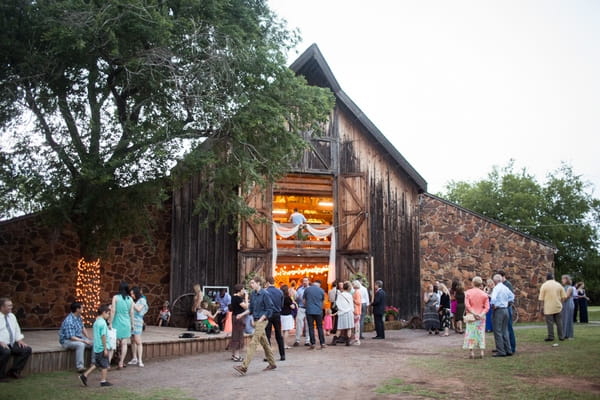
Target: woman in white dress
345,313
287,319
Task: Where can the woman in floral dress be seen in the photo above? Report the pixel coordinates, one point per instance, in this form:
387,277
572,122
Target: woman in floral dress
477,304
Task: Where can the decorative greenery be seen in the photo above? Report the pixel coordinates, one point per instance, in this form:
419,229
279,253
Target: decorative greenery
99,100
249,276
362,278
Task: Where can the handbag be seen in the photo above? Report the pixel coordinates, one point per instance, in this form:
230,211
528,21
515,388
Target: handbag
469,317
334,308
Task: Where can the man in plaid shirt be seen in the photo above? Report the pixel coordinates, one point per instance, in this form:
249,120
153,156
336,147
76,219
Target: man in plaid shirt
73,335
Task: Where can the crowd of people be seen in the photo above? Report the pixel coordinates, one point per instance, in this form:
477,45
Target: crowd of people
486,306
268,308
489,308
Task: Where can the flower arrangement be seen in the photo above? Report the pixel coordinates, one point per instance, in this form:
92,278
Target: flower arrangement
391,312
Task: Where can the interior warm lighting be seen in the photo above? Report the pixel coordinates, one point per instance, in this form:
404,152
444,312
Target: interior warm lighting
87,288
284,271
280,211
326,203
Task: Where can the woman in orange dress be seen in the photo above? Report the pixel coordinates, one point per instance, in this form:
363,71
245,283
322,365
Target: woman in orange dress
357,299
476,303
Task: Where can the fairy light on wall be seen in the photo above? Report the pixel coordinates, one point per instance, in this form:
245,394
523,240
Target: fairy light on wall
87,288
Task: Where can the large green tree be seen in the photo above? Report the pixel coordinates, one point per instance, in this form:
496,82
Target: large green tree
560,210
100,99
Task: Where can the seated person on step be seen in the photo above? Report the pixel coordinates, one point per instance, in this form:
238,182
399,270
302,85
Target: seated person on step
206,318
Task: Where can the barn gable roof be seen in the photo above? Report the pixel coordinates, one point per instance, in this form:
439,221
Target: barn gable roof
490,220
312,65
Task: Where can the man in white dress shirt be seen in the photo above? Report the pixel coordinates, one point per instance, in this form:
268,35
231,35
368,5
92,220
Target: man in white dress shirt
11,342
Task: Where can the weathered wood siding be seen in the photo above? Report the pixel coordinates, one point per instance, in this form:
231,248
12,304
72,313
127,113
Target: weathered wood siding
393,226
198,254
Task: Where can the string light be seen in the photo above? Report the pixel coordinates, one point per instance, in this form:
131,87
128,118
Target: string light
87,288
315,270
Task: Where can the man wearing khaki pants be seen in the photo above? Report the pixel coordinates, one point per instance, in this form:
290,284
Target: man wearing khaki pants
261,309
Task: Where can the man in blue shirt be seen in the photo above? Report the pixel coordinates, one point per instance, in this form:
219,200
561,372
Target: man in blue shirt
73,335
313,299
275,320
511,332
500,299
298,219
261,309
224,300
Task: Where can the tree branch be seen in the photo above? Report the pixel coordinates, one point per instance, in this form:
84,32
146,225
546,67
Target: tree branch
95,107
63,106
62,155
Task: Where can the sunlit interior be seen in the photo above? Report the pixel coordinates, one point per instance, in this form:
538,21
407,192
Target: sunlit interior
317,210
288,273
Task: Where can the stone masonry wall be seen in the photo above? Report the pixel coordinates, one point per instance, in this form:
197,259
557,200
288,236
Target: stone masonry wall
38,268
459,244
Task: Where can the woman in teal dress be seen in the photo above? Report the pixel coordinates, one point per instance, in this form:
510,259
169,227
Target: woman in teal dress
121,317
140,308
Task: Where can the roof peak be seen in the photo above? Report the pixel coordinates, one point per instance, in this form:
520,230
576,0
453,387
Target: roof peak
312,65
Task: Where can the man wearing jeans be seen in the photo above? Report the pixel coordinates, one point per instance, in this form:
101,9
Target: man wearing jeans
313,298
73,335
261,309
500,300
552,296
301,315
511,332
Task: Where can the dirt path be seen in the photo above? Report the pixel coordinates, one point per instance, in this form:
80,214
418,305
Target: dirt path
343,372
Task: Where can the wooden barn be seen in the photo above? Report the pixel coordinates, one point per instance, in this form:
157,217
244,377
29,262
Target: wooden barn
352,179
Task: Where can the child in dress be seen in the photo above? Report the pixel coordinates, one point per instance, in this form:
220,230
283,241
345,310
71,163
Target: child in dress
207,318
164,316
328,322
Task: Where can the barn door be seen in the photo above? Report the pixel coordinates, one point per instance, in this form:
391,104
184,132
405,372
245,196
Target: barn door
256,234
352,213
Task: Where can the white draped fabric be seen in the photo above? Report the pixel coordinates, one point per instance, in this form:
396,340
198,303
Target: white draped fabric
286,232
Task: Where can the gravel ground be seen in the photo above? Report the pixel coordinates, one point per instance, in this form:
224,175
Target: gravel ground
337,371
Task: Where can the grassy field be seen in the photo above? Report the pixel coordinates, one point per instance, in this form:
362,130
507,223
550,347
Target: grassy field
538,371
594,313
59,386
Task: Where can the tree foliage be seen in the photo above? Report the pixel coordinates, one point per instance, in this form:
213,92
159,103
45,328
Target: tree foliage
560,211
101,98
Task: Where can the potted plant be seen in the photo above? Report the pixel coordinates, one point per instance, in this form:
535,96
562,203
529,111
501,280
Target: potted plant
391,313
369,324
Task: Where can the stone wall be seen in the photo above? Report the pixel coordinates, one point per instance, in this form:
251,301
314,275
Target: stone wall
459,244
38,268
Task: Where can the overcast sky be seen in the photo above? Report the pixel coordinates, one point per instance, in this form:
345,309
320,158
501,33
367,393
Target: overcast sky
461,86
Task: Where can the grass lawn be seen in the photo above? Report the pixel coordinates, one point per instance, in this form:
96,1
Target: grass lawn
537,371
59,386
594,313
